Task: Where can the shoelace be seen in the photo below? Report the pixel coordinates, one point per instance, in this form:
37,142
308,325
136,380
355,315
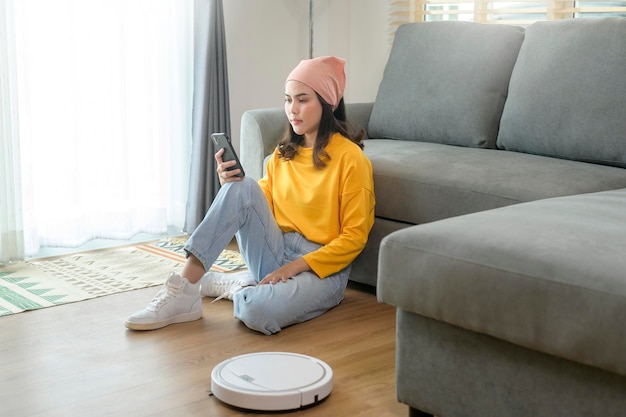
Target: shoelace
166,293
233,290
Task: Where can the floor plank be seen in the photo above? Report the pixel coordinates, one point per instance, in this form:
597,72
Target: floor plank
79,360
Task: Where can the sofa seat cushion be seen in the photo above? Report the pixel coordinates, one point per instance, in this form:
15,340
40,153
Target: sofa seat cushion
418,182
567,97
548,275
446,82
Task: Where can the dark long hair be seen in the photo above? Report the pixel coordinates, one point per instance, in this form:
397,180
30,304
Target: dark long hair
330,123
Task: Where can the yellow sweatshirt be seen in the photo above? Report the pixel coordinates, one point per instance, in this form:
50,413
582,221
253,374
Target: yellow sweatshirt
332,206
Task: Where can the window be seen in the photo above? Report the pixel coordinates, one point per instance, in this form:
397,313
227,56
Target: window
103,95
523,12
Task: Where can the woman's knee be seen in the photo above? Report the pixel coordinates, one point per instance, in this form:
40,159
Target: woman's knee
247,187
255,313
269,308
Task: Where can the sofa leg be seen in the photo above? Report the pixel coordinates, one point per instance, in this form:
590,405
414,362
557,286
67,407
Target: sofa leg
414,412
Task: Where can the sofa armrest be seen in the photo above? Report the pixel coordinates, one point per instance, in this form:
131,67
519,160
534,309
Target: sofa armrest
261,129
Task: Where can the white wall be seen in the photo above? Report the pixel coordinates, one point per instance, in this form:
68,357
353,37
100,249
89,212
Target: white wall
265,39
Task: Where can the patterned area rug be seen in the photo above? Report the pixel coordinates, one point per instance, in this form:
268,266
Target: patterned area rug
49,282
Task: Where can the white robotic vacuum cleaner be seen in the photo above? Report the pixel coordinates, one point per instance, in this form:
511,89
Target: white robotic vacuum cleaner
271,381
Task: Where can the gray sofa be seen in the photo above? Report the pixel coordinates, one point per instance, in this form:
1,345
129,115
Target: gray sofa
499,158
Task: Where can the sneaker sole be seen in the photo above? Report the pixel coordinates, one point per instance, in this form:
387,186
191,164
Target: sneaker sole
181,318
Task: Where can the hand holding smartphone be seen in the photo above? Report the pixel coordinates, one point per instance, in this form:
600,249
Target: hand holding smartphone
221,141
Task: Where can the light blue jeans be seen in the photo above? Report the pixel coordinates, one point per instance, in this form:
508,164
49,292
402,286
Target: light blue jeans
240,209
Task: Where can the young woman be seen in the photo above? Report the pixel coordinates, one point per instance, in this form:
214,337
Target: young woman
299,228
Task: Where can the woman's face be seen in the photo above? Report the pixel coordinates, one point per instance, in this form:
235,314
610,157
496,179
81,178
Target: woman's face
303,109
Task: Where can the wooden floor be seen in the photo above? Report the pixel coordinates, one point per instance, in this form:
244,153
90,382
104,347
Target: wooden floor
79,359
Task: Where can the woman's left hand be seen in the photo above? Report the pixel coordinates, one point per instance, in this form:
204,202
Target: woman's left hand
285,272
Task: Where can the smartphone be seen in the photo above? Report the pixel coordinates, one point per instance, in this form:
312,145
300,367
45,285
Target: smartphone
221,140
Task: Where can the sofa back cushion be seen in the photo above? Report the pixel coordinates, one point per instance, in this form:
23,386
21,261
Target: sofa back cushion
446,82
567,96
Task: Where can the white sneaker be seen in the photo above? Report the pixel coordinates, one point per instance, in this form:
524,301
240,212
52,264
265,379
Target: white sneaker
225,285
178,301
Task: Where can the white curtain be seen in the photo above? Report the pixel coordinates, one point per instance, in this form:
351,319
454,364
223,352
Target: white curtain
104,92
11,225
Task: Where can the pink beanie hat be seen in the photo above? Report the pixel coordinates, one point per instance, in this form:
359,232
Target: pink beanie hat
325,75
